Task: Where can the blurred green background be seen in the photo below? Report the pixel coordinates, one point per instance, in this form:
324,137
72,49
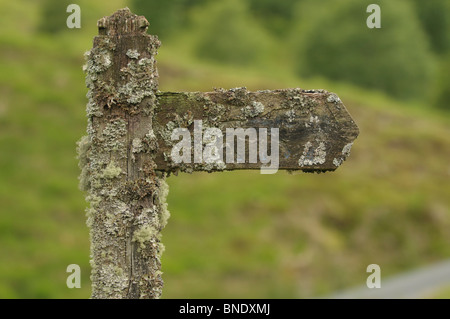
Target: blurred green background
238,234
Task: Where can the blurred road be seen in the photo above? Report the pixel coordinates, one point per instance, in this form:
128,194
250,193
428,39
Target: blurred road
415,284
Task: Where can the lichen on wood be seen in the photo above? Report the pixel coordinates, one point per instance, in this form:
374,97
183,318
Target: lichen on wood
128,206
314,125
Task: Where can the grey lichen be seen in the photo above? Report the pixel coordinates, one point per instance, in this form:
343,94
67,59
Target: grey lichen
127,212
210,167
141,78
290,115
137,146
345,153
112,135
116,217
346,149
144,234
94,200
314,119
254,109
83,147
294,99
164,213
238,96
333,98
166,131
111,171
118,271
90,215
313,156
151,141
337,161
161,248
109,273
133,54
92,109
97,60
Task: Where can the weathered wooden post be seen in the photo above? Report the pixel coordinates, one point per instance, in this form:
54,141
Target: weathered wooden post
127,196
132,145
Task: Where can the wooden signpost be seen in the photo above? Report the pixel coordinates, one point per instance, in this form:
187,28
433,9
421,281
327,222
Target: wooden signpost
138,135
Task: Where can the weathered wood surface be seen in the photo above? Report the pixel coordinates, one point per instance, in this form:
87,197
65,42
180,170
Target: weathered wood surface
315,130
127,197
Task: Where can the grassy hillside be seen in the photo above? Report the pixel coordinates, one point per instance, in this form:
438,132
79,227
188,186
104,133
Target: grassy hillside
231,234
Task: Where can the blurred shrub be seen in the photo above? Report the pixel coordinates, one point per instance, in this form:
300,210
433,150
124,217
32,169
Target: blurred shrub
276,16
227,33
170,16
435,18
166,17
443,84
54,16
333,40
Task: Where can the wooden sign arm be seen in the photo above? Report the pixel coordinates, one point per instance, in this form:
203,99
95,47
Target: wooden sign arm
315,130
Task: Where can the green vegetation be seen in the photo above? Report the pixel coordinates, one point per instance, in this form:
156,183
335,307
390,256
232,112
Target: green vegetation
167,16
52,21
334,42
443,84
231,234
433,15
220,25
